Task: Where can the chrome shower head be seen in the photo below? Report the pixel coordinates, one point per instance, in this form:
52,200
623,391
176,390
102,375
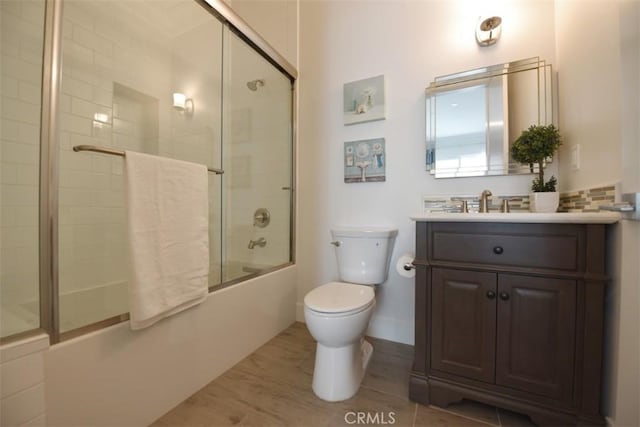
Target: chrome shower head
253,84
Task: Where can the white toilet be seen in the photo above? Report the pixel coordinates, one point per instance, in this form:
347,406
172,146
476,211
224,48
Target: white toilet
337,313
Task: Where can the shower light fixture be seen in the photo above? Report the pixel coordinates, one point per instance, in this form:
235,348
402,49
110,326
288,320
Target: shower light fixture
488,30
182,103
101,120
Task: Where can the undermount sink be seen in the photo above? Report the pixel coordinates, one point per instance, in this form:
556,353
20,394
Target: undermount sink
521,217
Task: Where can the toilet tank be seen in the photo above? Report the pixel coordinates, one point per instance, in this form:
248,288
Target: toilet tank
364,253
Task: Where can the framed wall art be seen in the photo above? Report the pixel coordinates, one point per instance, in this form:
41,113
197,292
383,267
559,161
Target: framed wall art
364,100
365,161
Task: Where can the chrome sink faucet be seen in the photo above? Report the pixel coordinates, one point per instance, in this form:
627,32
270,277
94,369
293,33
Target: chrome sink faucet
484,201
262,242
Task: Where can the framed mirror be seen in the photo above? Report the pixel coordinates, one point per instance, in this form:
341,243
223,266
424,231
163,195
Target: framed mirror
474,116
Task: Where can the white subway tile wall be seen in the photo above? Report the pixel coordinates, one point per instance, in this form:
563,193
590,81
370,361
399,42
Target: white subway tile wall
21,41
22,401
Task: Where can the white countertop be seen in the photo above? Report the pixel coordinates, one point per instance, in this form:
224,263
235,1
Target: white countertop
522,217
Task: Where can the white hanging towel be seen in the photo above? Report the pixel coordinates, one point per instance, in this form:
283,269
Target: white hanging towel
168,214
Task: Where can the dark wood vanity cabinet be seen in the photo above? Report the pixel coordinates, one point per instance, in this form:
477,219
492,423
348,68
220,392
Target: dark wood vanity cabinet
511,315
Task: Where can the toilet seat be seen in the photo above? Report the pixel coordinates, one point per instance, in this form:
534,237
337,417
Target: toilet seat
339,314
339,298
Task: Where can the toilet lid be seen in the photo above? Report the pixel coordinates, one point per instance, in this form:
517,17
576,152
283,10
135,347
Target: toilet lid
338,297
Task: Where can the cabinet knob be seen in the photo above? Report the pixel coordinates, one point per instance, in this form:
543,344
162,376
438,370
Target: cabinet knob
504,296
498,250
491,294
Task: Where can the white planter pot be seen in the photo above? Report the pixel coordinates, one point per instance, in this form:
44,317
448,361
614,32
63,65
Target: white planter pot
544,202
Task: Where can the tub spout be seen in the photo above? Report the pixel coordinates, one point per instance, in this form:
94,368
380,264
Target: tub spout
262,242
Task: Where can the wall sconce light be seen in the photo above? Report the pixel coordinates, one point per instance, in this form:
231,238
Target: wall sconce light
183,104
101,120
488,30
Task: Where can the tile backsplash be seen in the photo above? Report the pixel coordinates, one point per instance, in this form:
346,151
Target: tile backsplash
519,203
575,201
587,200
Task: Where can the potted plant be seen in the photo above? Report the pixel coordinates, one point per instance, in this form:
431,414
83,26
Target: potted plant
532,147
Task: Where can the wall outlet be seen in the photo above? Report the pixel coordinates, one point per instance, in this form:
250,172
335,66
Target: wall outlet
575,157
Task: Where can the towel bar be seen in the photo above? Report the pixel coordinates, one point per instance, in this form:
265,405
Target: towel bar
120,153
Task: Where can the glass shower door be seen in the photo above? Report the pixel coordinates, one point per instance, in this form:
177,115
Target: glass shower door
125,66
123,61
258,162
21,46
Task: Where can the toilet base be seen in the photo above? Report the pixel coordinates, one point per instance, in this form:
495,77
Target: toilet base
339,371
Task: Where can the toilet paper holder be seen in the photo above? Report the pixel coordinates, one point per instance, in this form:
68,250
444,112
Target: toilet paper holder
405,266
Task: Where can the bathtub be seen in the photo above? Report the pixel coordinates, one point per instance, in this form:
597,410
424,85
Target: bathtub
116,376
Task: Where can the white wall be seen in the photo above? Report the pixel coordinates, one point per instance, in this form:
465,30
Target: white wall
589,92
599,109
119,377
410,43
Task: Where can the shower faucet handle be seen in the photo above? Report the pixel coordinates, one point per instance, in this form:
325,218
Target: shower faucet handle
261,218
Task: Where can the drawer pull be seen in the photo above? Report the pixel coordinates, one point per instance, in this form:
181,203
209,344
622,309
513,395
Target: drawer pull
504,296
498,250
491,294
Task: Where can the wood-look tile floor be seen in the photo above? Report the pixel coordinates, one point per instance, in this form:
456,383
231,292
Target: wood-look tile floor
272,387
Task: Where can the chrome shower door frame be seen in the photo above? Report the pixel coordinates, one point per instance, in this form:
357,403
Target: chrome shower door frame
48,241
49,156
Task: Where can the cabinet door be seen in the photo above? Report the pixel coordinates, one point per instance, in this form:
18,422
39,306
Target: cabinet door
536,332
463,323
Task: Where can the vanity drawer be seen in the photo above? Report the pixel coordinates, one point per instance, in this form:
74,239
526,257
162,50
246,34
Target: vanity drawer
531,246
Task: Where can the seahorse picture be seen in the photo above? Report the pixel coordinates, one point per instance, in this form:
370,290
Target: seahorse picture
364,100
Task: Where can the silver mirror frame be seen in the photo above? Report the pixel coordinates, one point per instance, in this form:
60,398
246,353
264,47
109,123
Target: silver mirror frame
450,82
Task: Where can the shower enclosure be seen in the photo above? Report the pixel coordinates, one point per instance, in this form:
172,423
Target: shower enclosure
184,79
